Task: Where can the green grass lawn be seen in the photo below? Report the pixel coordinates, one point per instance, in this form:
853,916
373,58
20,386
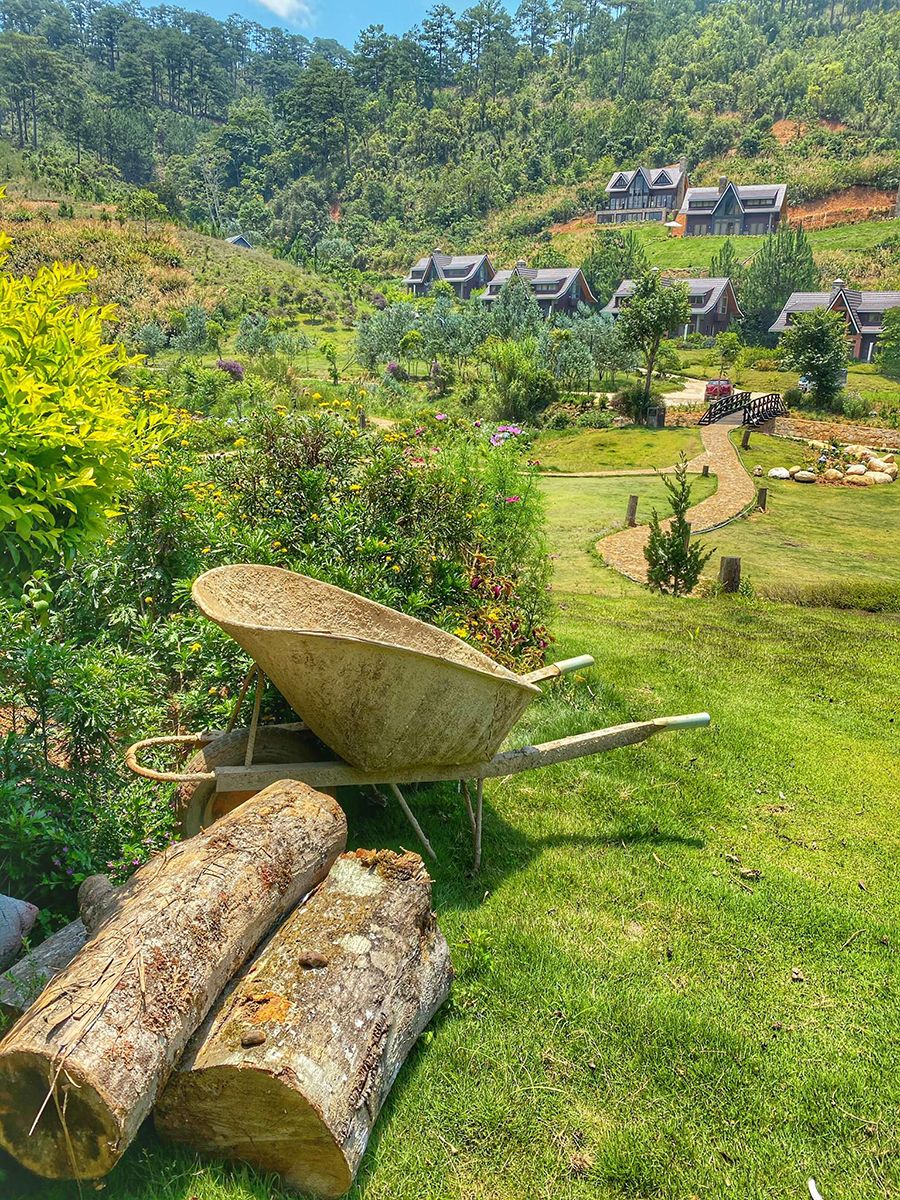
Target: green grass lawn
677,973
580,511
696,253
615,449
812,534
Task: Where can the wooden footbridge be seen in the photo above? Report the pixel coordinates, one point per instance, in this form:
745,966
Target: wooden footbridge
753,411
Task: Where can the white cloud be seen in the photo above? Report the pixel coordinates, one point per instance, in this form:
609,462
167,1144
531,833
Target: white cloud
294,12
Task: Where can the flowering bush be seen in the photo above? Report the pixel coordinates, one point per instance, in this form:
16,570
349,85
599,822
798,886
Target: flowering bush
231,367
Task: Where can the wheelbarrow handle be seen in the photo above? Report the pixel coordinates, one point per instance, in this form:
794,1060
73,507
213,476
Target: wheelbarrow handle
554,670
195,740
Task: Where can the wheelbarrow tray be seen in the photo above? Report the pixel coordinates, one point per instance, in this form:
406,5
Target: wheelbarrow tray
386,692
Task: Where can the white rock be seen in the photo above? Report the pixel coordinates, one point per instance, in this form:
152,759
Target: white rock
833,475
879,477
889,458
792,471
757,471
856,469
891,469
805,477
858,480
876,464
779,473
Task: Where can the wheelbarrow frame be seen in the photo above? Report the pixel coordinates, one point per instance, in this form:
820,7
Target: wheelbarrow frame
328,774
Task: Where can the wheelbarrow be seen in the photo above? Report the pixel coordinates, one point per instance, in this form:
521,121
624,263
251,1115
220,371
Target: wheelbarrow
384,700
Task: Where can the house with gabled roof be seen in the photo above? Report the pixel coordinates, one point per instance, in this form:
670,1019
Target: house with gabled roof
556,289
733,209
863,311
644,194
713,302
466,273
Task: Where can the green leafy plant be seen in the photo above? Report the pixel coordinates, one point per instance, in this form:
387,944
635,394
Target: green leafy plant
674,562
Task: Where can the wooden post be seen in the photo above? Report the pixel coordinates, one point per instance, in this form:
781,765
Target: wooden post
762,496
729,573
705,471
745,438
361,420
631,514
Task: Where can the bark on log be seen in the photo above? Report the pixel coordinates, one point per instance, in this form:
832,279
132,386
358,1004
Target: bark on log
292,1066
84,1066
21,985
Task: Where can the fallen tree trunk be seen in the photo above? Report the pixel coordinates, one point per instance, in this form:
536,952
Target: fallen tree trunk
21,985
83,1067
293,1064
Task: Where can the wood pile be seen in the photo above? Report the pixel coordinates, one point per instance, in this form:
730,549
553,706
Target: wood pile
254,987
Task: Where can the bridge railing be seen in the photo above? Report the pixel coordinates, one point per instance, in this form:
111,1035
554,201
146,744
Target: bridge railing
764,408
724,405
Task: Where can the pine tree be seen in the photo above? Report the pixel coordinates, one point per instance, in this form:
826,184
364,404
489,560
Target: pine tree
783,264
726,264
515,313
674,563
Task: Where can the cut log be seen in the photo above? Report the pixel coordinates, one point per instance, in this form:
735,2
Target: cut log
83,1067
292,1066
21,985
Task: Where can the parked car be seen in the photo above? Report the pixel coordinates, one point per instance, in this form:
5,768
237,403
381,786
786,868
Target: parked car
717,388
804,384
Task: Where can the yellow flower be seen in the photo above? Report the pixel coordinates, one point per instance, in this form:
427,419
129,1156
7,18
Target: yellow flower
205,550
195,647
314,516
148,599
355,487
317,395
238,442
461,632
395,567
211,692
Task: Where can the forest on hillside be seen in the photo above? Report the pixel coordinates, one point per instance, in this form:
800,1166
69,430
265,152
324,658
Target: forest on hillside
406,139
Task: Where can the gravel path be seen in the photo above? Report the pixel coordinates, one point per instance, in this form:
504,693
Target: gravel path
625,550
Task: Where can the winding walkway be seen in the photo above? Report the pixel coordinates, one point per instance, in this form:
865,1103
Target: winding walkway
735,492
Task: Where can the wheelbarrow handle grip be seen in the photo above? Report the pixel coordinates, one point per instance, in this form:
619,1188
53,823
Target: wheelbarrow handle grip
564,667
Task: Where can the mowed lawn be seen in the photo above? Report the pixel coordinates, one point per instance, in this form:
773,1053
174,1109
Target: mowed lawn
810,533
677,972
615,449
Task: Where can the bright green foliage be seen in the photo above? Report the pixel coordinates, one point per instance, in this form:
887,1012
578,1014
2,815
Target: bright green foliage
653,309
145,206
524,385
69,429
889,344
728,346
815,344
675,563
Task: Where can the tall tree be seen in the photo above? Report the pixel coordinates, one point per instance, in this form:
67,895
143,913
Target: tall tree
653,310
783,264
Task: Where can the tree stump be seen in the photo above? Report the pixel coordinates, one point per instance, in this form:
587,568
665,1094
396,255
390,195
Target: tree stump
729,573
83,1067
292,1066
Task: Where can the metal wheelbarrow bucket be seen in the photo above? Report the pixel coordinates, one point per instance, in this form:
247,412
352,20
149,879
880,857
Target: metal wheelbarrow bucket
385,691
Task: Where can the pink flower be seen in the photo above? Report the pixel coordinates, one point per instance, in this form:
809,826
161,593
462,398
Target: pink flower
440,416
512,499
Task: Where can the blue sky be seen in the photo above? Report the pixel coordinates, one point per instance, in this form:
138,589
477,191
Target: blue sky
326,18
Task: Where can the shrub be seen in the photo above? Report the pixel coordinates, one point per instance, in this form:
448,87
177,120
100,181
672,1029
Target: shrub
854,406
674,561
793,397
69,429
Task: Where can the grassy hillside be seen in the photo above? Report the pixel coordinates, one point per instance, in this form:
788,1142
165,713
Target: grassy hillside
150,275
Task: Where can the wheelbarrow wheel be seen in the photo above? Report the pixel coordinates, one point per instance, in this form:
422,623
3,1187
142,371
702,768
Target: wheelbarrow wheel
198,804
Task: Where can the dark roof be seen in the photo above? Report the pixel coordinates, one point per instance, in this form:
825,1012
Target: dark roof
656,177
238,239
704,294
549,283
774,193
456,267
860,304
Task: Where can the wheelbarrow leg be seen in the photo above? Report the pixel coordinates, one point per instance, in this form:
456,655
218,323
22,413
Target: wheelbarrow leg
476,840
469,810
410,816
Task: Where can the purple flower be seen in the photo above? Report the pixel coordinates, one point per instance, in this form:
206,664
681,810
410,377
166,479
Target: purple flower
57,863
232,368
418,432
70,870
511,499
440,416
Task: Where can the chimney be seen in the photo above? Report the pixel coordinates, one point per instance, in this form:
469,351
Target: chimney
836,286
723,183
437,250
682,165
521,264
